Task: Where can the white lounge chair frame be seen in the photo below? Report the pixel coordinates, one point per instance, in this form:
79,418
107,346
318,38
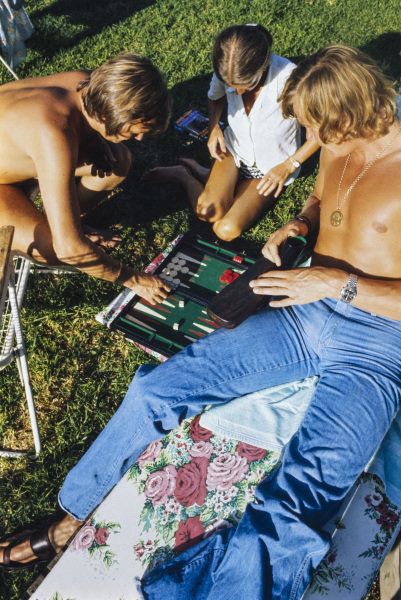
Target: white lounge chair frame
12,345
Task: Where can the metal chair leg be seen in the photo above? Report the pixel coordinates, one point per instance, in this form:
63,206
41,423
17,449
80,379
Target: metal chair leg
20,355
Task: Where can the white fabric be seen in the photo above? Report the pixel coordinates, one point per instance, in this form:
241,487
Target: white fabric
262,138
269,417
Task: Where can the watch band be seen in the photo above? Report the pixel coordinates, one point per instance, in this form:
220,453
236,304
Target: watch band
305,220
349,291
295,163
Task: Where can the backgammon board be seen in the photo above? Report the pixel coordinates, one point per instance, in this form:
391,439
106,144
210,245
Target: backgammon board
197,269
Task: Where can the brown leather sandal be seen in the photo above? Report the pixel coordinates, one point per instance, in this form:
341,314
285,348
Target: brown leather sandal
40,544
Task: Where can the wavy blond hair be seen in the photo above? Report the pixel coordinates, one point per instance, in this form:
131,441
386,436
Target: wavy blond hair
342,92
127,89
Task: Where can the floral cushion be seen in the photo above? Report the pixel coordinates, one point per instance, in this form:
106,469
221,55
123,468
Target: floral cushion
186,486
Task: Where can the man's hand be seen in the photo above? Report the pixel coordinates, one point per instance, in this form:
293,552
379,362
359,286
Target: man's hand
151,288
300,285
274,179
291,229
216,143
102,155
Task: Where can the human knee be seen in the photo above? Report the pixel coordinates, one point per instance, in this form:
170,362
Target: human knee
227,230
207,209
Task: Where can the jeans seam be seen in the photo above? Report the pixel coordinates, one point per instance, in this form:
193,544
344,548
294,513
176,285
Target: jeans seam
183,567
298,576
113,469
206,388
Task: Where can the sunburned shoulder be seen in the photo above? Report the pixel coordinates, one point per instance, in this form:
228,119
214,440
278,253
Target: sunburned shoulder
48,102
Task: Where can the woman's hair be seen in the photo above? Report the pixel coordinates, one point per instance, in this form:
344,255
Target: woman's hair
241,54
128,89
342,92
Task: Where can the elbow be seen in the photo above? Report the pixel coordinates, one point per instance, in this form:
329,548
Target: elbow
72,253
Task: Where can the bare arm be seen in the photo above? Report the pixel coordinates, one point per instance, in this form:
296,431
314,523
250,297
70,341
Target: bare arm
54,151
273,180
311,211
380,296
216,143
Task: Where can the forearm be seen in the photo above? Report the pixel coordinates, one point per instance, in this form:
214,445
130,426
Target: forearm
215,110
92,260
379,296
305,151
311,213
382,297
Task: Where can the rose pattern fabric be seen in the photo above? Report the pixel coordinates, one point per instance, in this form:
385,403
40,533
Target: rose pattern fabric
170,527
93,537
161,484
188,533
191,482
225,470
197,482
249,452
151,453
201,449
197,432
84,537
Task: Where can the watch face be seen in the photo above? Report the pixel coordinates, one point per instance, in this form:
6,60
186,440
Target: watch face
348,294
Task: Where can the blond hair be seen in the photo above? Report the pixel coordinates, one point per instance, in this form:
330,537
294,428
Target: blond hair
342,92
127,89
241,54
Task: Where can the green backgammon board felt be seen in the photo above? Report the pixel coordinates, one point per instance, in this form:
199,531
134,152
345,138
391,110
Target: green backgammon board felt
197,269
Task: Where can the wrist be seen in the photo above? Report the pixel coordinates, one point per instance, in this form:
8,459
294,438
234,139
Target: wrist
304,223
124,275
293,164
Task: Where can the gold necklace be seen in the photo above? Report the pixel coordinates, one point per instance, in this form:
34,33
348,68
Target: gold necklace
337,215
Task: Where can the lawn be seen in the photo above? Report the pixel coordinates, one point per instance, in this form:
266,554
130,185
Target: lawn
79,370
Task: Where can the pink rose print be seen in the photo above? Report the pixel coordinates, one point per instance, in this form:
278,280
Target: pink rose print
188,533
198,433
226,470
151,452
201,449
101,536
191,482
251,453
160,485
84,538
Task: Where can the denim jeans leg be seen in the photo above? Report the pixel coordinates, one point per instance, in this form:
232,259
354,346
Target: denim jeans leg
273,551
267,349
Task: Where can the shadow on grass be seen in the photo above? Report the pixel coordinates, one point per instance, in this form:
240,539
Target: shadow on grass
90,16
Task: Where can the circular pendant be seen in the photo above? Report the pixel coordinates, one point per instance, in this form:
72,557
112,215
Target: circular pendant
336,217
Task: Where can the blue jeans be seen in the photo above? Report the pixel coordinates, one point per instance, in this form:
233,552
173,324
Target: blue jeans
272,552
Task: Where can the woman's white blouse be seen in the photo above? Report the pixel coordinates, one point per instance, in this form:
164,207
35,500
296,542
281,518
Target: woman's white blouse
263,138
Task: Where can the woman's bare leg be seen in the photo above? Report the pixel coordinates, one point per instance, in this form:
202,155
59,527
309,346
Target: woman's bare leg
200,172
247,206
179,174
218,196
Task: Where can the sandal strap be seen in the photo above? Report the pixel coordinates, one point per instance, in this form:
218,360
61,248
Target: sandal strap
41,544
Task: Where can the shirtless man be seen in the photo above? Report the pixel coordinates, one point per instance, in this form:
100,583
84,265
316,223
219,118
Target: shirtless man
66,131
341,321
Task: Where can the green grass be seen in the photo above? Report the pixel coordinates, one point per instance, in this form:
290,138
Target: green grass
79,370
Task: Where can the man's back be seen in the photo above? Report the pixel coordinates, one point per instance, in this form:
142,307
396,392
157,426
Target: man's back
28,110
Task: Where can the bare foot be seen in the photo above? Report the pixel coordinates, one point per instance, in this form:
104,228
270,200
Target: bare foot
174,174
201,173
105,238
151,288
59,534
